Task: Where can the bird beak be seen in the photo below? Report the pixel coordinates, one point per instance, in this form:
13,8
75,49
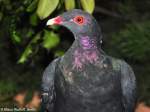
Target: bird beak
54,21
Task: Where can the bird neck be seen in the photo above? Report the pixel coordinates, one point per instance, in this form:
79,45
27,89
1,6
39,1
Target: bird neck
88,44
85,50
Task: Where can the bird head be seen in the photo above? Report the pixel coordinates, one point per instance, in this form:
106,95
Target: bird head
78,22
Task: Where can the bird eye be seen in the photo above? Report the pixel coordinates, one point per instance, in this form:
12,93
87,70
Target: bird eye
79,20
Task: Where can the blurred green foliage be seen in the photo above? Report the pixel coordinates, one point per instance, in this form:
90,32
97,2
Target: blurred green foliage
7,87
7,90
133,41
50,40
30,48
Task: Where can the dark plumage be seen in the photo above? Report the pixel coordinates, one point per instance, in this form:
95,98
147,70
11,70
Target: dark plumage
85,79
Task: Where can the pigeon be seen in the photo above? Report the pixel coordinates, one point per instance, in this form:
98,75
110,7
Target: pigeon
85,78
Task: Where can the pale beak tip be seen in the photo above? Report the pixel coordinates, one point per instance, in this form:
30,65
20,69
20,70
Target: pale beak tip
50,22
54,21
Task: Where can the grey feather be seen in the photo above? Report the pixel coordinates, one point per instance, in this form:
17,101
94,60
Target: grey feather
48,86
128,84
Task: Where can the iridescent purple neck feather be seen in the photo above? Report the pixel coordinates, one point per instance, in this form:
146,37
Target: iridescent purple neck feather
86,53
88,43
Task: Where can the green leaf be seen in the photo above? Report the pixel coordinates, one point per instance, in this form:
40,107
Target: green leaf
15,37
50,40
25,54
29,49
46,7
59,53
34,19
32,6
88,5
69,4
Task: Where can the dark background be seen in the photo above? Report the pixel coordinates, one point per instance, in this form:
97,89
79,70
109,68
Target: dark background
26,49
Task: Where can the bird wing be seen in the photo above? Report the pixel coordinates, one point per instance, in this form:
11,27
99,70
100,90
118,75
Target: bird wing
128,84
48,89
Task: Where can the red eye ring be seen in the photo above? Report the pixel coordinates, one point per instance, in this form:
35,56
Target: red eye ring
79,20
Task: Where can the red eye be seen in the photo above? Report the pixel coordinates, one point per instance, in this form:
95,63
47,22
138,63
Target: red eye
79,20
